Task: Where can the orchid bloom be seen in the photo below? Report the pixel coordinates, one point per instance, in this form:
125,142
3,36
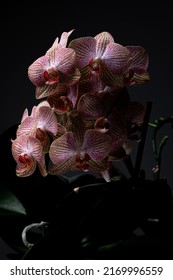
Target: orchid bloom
55,70
102,57
27,152
100,110
88,117
41,123
79,149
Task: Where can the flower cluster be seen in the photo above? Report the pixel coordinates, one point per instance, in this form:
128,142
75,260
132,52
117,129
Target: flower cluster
86,117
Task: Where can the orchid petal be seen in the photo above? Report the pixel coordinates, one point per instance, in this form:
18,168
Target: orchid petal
65,60
109,79
97,166
85,49
90,106
26,127
25,115
62,148
116,58
103,39
139,77
70,79
62,167
47,120
96,144
36,71
139,56
64,38
46,90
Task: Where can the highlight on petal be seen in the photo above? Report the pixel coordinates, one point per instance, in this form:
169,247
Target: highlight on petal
36,71
62,148
85,49
62,43
96,144
25,115
116,58
64,38
72,94
47,120
103,39
26,127
65,60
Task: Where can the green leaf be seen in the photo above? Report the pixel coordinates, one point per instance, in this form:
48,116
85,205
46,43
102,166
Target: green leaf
9,203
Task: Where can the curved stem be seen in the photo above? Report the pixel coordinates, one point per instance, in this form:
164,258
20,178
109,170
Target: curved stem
157,150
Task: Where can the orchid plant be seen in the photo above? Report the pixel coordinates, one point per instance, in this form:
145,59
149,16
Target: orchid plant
86,120
86,123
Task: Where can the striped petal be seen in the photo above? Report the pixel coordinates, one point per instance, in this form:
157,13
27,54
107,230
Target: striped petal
85,49
116,58
36,71
70,79
62,148
90,85
96,144
65,59
139,56
47,120
103,39
63,167
46,90
90,106
139,77
97,166
26,127
111,80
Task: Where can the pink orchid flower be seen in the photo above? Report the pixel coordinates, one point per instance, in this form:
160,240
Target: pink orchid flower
55,70
79,149
102,57
100,110
27,152
42,122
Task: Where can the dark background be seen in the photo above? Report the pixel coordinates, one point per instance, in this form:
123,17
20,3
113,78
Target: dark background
28,31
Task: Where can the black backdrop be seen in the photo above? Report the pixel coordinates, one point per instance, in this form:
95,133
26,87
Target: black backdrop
28,31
